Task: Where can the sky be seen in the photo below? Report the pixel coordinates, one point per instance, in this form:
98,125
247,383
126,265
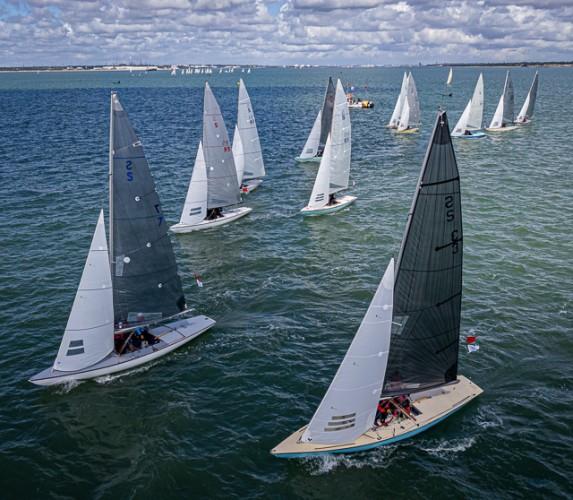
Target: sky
324,32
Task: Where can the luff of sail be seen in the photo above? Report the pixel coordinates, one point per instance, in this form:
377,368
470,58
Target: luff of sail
146,285
526,112
341,142
221,172
348,408
428,287
88,337
326,115
252,154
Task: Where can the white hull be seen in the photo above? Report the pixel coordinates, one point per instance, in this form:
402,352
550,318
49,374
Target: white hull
408,131
434,406
172,336
340,204
250,185
228,216
475,134
312,159
501,129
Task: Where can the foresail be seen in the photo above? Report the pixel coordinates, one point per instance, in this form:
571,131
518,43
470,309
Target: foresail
88,337
462,124
195,207
404,121
311,146
475,115
349,406
450,77
221,173
326,116
144,272
341,142
394,120
497,120
238,155
253,156
319,195
528,106
428,288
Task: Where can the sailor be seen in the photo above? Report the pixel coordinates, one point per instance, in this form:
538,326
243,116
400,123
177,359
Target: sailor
332,200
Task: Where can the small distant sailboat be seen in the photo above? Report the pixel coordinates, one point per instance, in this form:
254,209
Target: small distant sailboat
133,284
400,374
214,183
334,170
174,71
409,121
395,118
502,120
450,77
247,146
469,125
316,142
527,109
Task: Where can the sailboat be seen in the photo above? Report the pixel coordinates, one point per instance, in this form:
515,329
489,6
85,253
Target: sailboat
450,77
404,356
214,183
503,117
132,284
409,120
527,109
316,142
470,123
334,169
246,145
395,118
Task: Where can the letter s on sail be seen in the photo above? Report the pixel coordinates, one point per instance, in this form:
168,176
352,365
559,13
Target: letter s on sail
128,164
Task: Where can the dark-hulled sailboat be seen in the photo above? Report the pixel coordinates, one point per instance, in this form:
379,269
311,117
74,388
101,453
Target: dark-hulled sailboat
316,142
404,356
132,285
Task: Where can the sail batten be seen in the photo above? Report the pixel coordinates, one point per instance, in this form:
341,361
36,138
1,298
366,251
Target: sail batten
427,292
146,283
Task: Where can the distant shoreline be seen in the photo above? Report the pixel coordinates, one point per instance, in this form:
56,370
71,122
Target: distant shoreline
152,68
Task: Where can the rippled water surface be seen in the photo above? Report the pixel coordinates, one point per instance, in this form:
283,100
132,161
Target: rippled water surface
288,294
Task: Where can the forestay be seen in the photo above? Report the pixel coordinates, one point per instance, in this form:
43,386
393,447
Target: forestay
348,408
252,154
146,285
238,155
88,337
195,207
428,288
310,149
528,106
341,143
221,172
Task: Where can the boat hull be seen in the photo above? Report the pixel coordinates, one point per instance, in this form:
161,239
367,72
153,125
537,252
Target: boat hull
501,129
407,131
172,335
341,203
250,185
474,135
434,406
312,159
228,216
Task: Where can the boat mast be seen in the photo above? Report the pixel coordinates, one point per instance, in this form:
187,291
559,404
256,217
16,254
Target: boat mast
111,181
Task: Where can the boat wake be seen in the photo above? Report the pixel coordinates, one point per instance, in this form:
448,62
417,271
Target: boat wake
446,449
108,379
374,459
67,387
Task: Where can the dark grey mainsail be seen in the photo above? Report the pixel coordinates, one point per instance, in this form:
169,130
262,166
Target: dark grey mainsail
222,179
327,112
146,285
428,286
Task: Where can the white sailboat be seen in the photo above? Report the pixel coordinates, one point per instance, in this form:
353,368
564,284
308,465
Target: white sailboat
214,181
316,142
400,374
502,120
247,153
133,284
395,118
334,171
527,109
450,77
409,120
469,125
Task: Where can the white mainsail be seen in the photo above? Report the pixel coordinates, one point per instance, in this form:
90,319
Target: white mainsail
88,337
311,146
472,116
238,155
393,123
340,142
450,77
253,156
504,112
348,408
195,207
528,106
320,191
